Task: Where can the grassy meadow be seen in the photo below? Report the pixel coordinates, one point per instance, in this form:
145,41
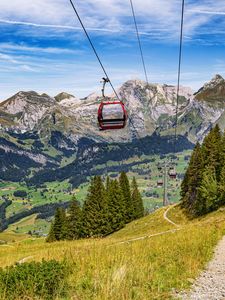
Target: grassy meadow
149,259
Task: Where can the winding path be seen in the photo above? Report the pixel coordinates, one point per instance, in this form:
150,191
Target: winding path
23,260
211,283
167,219
158,233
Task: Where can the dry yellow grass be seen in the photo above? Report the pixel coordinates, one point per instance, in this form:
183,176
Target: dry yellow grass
11,237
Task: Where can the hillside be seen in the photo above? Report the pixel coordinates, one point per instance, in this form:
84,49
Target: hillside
151,258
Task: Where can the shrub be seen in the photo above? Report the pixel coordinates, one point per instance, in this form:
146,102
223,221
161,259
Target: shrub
46,279
20,194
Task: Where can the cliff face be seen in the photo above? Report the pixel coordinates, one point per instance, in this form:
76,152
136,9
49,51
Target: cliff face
213,91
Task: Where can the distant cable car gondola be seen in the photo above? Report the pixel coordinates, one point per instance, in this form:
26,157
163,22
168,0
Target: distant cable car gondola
172,173
111,114
159,183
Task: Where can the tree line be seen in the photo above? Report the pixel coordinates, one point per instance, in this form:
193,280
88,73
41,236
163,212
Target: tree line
107,208
203,186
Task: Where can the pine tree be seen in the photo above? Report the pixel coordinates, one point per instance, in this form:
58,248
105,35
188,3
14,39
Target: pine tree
51,236
128,205
207,192
1,225
211,150
74,220
136,200
192,179
202,189
115,206
221,187
95,217
60,224
222,152
107,184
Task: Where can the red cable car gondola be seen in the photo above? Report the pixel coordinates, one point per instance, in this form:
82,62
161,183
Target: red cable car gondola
111,114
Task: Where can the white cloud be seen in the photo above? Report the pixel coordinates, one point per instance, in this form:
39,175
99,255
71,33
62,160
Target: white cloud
208,12
8,58
54,26
160,18
11,60
24,48
40,11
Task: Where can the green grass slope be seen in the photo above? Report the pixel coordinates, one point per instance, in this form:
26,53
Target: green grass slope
148,259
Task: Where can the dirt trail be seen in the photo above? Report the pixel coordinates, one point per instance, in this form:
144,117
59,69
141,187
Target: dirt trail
149,236
167,219
23,260
158,233
210,285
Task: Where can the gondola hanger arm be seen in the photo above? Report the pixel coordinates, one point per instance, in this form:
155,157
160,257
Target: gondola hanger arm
104,81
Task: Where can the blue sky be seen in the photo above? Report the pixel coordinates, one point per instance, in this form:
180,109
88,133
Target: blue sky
43,48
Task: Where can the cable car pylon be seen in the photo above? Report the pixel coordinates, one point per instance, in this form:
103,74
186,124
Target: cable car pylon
165,192
167,172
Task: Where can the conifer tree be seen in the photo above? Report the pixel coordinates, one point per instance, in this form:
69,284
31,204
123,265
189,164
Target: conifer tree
128,205
95,217
203,187
192,179
207,192
221,187
60,224
222,152
137,200
211,150
115,206
1,229
74,220
107,184
51,236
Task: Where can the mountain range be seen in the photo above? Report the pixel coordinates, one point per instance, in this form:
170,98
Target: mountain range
47,138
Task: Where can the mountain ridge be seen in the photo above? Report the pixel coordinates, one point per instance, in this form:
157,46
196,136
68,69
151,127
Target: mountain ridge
149,106
65,129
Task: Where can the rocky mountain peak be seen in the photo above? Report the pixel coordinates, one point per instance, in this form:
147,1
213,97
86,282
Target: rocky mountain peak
24,110
217,78
212,91
154,93
214,82
92,97
62,96
21,100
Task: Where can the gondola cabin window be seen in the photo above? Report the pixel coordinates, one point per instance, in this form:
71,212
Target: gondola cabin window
112,115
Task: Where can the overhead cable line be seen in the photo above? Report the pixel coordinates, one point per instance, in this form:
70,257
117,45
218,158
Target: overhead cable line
93,47
99,60
179,71
139,41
